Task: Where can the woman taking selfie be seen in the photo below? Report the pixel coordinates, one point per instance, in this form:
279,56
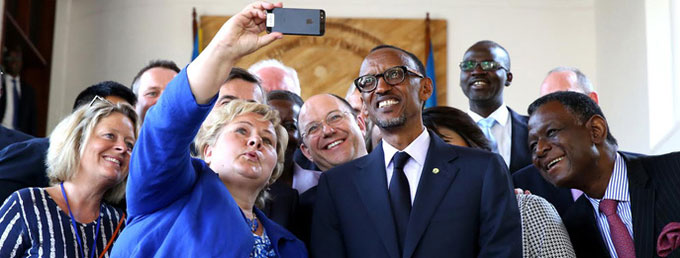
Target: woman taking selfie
180,206
87,164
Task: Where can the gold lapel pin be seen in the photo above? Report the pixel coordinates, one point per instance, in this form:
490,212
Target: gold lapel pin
435,170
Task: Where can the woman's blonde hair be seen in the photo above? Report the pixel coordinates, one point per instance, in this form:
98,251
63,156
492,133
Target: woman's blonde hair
220,117
67,142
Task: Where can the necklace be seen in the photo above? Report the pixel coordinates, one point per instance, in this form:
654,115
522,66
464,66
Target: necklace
75,228
252,223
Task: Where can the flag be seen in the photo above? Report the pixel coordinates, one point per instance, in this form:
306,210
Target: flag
429,64
196,36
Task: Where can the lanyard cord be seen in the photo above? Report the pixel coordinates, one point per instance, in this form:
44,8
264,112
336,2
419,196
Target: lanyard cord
75,228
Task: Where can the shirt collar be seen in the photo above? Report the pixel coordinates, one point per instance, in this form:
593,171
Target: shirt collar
617,188
501,115
417,149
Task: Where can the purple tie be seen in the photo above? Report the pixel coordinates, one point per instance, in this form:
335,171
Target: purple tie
623,242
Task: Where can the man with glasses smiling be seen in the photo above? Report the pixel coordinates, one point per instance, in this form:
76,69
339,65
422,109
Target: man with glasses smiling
414,195
332,134
484,73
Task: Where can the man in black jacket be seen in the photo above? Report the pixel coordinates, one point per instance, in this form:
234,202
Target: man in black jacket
627,199
484,74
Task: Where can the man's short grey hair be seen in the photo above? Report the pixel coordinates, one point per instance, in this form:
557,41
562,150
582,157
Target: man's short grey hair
582,80
160,63
277,64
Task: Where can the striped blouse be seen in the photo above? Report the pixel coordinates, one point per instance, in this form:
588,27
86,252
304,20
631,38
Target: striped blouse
32,225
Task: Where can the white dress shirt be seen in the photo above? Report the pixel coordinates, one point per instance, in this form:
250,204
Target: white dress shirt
303,179
8,118
417,149
502,131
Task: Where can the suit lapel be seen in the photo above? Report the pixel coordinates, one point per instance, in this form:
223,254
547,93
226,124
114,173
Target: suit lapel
519,149
371,182
583,231
642,207
431,190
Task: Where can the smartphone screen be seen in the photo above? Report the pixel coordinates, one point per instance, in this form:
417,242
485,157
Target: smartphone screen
292,21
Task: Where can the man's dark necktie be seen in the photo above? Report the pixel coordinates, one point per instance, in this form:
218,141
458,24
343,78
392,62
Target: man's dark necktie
15,120
400,196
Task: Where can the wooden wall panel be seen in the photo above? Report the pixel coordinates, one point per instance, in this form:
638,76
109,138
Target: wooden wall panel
329,64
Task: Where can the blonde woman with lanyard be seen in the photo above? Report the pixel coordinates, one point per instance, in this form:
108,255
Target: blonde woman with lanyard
87,164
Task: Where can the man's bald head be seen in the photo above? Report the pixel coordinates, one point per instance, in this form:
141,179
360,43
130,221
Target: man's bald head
568,79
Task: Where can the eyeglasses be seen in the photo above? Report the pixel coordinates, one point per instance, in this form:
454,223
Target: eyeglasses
332,119
98,98
392,76
470,65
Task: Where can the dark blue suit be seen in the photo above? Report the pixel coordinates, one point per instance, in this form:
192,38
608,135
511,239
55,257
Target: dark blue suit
520,156
22,165
9,136
466,209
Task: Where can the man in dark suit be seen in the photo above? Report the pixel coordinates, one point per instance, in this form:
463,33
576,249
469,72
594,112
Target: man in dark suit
529,178
332,134
22,164
9,136
627,199
485,72
413,195
17,99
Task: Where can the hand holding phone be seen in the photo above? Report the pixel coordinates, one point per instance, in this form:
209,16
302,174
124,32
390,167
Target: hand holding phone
292,21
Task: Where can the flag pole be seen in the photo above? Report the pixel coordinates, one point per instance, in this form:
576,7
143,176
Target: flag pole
427,33
429,63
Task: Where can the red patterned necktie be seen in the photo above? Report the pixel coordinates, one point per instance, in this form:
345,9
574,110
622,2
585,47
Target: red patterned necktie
623,242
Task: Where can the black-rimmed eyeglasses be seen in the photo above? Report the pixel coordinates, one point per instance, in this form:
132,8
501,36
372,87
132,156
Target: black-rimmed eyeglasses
392,76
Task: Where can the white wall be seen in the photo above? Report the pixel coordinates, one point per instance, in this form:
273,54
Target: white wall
111,40
622,54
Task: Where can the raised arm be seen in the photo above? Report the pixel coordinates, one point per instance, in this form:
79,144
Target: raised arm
238,37
161,169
